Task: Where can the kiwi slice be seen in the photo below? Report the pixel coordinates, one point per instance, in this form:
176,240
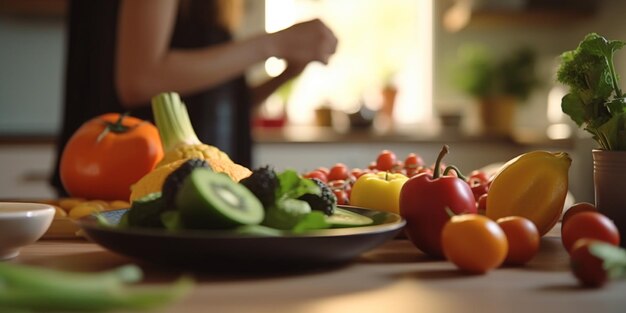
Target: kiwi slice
345,218
210,200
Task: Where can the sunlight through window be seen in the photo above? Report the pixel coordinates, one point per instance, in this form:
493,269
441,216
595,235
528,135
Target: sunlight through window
381,43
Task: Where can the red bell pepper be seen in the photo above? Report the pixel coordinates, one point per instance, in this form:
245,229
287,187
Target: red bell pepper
423,202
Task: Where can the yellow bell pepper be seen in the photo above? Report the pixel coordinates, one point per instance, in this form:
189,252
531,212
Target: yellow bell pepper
533,185
380,191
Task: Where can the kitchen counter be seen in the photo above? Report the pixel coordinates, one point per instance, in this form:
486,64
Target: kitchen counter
395,277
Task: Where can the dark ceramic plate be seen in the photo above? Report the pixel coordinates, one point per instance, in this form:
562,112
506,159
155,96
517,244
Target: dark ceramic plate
202,249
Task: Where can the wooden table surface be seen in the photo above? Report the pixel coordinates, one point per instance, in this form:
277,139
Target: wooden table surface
395,277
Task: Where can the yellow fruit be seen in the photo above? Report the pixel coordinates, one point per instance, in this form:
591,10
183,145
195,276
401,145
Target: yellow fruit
153,181
533,185
118,204
85,209
68,203
189,151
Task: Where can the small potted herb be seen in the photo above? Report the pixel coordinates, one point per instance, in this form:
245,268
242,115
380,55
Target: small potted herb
496,84
597,104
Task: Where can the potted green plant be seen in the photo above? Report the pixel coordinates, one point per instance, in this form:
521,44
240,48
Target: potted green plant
596,103
498,85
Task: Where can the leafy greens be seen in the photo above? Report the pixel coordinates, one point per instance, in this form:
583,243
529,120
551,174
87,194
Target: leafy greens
595,101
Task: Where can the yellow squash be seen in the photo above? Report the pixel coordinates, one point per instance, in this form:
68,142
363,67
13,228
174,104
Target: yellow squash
533,185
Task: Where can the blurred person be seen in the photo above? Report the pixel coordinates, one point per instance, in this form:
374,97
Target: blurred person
121,53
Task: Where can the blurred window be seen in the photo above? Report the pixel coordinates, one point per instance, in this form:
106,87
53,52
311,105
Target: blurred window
380,43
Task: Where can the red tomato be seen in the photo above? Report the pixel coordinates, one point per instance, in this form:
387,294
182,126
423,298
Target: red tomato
398,167
323,170
588,268
523,238
474,243
342,196
477,177
357,172
316,174
424,200
371,166
482,204
338,172
413,161
479,182
386,160
591,225
99,164
577,208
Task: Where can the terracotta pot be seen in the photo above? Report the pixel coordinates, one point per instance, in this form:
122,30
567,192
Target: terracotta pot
609,174
497,115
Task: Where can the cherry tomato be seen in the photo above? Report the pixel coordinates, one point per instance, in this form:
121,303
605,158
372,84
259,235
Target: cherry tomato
398,167
523,238
588,268
316,174
386,160
342,196
591,225
337,184
481,205
322,169
372,166
410,172
339,171
479,182
413,161
577,208
357,172
477,177
474,243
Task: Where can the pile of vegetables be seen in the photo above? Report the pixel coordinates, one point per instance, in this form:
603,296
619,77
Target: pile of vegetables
197,186
595,100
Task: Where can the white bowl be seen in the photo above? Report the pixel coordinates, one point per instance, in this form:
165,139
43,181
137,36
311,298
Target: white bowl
22,224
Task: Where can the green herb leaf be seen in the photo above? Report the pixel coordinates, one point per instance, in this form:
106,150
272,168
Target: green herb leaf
572,105
286,214
293,186
614,258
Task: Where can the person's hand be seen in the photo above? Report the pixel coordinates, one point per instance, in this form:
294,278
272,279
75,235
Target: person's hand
305,42
293,69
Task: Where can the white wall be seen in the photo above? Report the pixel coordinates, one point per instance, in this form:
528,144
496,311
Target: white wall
31,74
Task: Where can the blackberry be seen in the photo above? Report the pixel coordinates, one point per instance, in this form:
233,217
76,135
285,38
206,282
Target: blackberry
263,183
325,202
174,180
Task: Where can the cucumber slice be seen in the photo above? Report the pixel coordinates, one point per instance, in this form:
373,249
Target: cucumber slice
345,218
210,200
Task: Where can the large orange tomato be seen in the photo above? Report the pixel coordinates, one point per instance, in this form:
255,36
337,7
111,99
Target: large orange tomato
474,243
108,154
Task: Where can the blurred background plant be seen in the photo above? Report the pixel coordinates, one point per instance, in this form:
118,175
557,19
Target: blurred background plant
478,74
